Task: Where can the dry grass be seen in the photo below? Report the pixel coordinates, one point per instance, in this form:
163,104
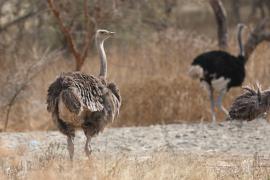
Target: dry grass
160,165
153,82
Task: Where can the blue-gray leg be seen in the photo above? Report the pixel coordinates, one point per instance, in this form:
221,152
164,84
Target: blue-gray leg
212,101
70,146
219,101
87,147
68,130
89,132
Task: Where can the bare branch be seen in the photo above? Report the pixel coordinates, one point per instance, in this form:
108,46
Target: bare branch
86,14
67,35
235,5
168,6
90,32
157,25
79,56
31,72
19,20
220,15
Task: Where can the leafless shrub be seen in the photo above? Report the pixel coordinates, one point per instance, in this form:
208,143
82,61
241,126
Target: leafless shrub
18,79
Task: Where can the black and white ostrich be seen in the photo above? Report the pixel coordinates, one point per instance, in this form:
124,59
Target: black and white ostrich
219,71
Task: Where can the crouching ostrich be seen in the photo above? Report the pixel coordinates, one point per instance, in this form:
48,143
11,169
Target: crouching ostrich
219,71
77,100
250,105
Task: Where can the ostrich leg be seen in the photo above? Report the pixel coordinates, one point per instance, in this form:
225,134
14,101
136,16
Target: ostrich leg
219,102
70,146
87,147
88,133
212,104
69,131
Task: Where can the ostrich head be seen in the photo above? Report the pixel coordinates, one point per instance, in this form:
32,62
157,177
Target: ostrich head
102,35
240,26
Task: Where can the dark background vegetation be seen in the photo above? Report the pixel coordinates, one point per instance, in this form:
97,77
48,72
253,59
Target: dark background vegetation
149,58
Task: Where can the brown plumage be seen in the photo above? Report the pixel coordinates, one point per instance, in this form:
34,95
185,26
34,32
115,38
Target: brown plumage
251,104
77,100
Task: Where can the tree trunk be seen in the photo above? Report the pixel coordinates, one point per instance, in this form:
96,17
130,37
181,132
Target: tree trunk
258,35
221,20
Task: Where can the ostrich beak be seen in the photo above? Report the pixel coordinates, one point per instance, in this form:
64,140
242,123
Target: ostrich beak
112,34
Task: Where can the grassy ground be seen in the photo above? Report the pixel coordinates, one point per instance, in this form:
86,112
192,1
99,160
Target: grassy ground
161,165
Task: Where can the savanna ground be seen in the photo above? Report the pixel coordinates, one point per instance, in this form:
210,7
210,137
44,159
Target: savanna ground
176,151
150,64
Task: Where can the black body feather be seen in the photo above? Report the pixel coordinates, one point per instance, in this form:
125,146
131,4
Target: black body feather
216,64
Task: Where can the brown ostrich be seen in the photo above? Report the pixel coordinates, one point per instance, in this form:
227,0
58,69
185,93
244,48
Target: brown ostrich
251,104
77,100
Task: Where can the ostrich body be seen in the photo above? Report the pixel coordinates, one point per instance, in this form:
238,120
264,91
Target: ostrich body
77,100
219,71
250,105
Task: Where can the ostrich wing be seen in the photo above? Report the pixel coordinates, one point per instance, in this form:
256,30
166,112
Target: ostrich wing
247,106
71,100
116,100
77,90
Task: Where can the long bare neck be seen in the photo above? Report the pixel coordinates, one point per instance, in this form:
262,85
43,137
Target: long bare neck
102,57
240,43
